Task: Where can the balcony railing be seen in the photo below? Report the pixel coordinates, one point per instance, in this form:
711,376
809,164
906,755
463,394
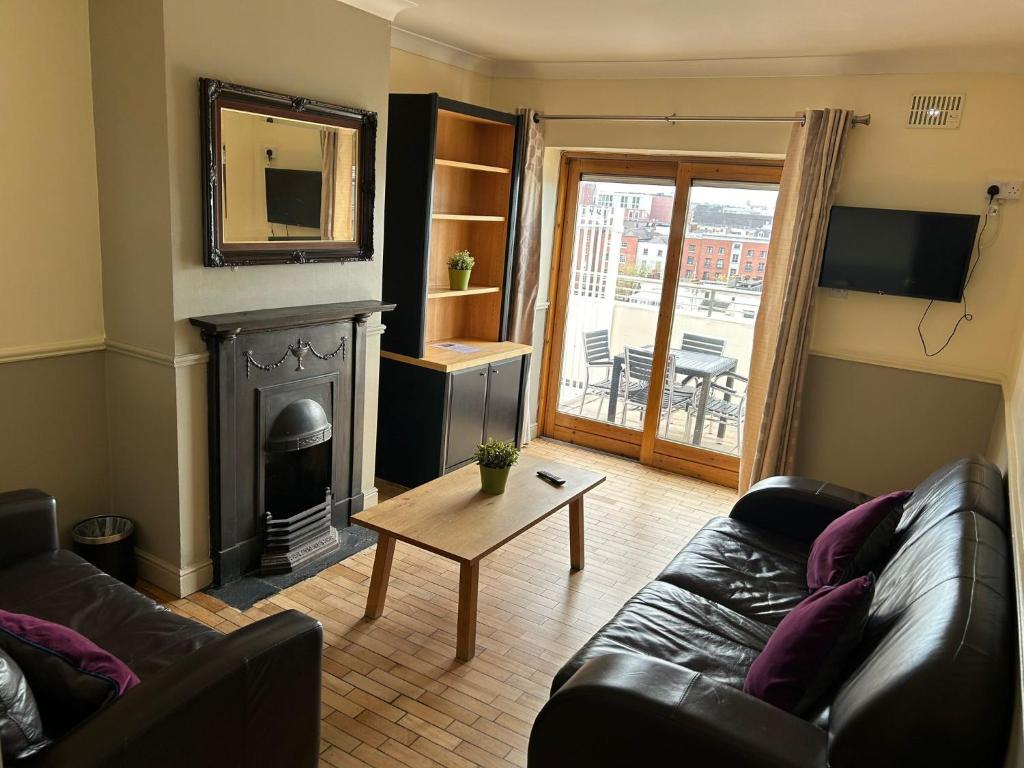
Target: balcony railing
706,299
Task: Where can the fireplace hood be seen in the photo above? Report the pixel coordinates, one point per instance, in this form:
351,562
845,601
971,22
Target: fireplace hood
300,425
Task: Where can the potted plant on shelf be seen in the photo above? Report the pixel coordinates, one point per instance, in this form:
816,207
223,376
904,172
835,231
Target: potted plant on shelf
460,266
495,459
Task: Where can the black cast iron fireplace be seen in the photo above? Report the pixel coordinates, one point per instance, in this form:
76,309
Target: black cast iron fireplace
285,395
297,493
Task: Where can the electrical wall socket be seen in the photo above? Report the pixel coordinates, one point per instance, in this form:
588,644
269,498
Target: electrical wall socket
269,152
1008,190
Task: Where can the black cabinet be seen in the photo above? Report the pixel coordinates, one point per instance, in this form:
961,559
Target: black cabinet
450,376
503,389
467,410
430,422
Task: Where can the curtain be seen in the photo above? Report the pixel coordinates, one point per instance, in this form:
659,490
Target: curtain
328,181
783,327
526,243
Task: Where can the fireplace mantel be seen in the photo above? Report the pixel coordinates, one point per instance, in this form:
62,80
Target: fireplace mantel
261,361
279,318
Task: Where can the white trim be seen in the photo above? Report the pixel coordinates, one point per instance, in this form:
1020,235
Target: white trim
1002,59
160,358
908,365
99,344
384,9
52,349
428,48
178,581
376,330
1007,59
370,498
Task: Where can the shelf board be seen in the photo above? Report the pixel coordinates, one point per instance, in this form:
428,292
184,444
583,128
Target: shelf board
471,166
465,217
443,292
446,360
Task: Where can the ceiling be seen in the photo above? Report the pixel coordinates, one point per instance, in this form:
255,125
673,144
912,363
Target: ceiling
675,30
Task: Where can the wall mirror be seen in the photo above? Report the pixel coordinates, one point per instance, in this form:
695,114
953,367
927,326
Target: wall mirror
286,179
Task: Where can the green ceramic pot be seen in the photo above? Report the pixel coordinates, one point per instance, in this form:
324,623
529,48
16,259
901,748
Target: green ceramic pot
493,480
458,279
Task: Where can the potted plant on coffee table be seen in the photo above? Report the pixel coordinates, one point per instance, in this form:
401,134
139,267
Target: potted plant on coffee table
460,266
495,459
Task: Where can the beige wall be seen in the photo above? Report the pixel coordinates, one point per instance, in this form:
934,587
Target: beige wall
131,147
1012,442
52,412
1014,435
48,210
54,428
415,74
132,161
887,166
875,428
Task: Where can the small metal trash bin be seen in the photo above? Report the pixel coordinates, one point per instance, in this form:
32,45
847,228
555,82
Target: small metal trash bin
108,542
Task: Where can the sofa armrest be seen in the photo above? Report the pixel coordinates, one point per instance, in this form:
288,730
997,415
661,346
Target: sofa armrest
251,698
797,507
28,525
626,709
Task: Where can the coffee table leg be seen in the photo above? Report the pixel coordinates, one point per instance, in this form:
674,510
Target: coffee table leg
381,575
469,579
576,534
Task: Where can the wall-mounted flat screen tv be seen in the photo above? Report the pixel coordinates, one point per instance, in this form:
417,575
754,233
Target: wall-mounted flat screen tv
901,253
293,197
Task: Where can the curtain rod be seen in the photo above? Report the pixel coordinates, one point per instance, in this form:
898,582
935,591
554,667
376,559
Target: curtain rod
674,118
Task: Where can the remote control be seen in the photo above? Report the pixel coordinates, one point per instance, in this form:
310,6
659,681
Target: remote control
553,479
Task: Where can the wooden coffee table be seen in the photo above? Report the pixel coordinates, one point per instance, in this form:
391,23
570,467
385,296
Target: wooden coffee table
452,517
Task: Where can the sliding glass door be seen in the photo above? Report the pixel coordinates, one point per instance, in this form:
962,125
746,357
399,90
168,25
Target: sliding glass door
656,287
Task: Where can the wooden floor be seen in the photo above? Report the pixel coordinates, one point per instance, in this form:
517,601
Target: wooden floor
393,692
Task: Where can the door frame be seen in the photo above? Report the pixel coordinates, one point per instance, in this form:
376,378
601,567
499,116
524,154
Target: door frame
644,445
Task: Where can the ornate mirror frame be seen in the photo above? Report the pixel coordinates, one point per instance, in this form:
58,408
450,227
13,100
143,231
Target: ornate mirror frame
216,94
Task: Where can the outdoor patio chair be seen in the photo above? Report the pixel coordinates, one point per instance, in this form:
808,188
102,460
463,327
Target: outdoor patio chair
637,370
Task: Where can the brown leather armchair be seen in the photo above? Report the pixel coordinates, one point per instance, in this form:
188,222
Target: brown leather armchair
249,698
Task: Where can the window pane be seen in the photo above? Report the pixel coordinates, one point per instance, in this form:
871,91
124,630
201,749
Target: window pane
713,323
618,263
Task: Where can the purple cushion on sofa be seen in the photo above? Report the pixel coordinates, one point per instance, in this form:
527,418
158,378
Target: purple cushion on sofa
71,676
853,543
808,652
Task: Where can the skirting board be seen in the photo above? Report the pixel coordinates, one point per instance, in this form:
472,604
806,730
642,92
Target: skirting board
178,581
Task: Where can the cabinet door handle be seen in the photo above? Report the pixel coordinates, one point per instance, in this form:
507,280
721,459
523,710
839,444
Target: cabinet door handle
483,373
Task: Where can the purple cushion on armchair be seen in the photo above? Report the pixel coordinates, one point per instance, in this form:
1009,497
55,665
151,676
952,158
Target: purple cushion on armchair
855,542
808,652
71,677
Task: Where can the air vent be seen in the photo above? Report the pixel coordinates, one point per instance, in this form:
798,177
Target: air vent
935,110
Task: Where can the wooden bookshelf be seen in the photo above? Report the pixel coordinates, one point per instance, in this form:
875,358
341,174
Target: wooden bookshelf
444,292
471,166
466,217
453,177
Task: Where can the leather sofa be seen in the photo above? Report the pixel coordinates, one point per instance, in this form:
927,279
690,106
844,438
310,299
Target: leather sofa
249,698
931,683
